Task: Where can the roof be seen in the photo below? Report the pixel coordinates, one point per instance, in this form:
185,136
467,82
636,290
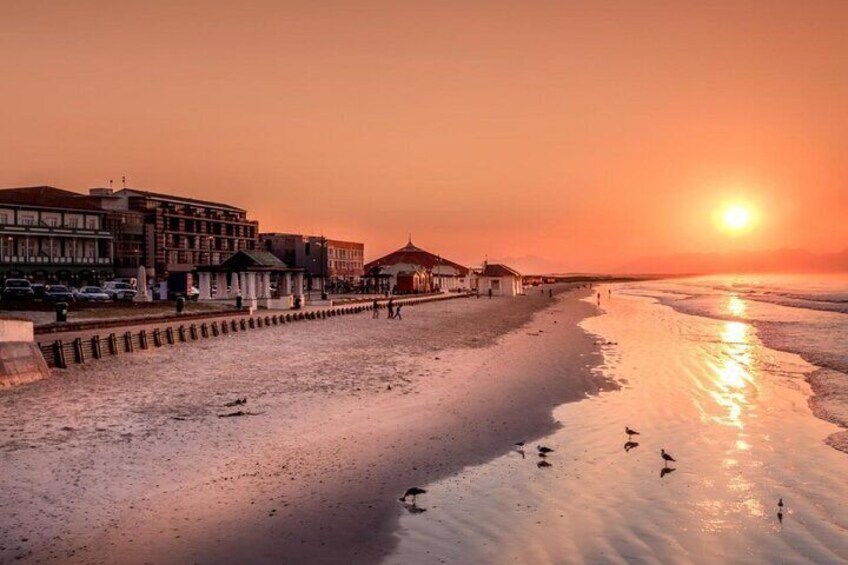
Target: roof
241,261
497,270
179,199
412,255
47,197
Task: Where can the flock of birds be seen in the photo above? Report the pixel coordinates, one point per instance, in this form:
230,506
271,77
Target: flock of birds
542,451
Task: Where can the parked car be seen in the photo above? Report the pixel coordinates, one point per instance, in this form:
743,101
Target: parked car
119,290
58,293
193,294
93,294
17,289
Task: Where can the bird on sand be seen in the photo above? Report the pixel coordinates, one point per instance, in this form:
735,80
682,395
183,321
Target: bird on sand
666,457
519,443
630,432
542,464
780,503
542,455
544,449
413,492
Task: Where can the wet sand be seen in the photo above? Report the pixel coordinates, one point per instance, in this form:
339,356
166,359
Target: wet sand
734,414
127,460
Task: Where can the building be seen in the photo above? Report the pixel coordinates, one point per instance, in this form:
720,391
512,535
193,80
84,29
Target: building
52,235
172,234
499,279
321,258
411,269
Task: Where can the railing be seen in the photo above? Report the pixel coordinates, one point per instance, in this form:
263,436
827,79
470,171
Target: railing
42,260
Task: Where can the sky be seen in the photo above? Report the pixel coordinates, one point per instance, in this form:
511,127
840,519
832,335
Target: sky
582,136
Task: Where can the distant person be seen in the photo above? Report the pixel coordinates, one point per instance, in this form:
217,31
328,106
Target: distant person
542,290
550,293
391,308
397,312
609,292
490,293
599,299
376,308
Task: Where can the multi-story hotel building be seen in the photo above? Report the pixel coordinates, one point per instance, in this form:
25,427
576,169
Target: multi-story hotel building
52,235
173,234
319,256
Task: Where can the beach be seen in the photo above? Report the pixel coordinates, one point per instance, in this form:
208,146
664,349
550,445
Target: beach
128,460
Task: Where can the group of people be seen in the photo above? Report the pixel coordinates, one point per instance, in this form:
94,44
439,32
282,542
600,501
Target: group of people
394,311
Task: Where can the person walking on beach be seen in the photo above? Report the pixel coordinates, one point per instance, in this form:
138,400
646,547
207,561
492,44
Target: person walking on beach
391,308
599,299
490,293
397,312
376,308
550,293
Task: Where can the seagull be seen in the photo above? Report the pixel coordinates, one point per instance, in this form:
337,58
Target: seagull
542,464
543,455
666,457
543,449
630,432
519,443
413,492
630,445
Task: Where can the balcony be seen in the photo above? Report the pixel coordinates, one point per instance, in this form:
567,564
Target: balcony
47,261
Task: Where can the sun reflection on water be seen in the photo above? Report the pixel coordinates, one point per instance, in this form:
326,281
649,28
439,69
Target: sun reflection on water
736,306
732,375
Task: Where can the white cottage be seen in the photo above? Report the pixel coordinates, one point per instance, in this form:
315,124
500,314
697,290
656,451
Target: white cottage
500,279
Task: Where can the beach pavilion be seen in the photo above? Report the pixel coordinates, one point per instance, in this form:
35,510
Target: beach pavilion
412,269
252,275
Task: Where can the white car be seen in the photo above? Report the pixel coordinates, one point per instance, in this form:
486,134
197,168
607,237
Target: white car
92,294
119,290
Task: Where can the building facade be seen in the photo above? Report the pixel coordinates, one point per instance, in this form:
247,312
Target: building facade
52,235
172,234
321,258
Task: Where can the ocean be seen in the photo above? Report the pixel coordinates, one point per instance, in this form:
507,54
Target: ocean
715,370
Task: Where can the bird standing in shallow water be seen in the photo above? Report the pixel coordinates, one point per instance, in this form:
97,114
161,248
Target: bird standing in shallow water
413,492
666,457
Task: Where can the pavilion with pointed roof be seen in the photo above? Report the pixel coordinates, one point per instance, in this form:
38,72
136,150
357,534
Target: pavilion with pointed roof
250,274
412,269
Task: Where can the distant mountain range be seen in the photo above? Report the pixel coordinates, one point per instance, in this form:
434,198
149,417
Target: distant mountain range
774,261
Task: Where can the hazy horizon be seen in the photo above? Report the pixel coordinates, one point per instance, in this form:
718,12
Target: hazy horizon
584,136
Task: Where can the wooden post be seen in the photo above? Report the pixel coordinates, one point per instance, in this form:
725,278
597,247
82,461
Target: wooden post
78,351
96,351
59,354
128,342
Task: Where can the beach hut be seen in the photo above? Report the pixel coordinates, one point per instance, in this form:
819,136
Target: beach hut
500,279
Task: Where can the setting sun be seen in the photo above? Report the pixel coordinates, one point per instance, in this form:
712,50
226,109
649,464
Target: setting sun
735,218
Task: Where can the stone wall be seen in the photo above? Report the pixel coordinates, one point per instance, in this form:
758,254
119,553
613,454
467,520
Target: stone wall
21,360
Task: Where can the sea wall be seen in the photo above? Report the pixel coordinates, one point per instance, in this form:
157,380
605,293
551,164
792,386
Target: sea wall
20,357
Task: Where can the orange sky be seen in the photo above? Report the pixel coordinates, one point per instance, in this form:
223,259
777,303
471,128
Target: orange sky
587,133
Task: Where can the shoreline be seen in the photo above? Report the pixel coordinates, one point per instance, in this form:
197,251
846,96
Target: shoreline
349,446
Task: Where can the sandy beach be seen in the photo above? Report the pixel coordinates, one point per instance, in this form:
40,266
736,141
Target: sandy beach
128,460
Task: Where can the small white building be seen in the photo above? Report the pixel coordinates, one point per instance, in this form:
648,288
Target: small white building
500,279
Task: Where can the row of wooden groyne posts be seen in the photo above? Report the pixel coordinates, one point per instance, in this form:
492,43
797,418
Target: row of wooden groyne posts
61,353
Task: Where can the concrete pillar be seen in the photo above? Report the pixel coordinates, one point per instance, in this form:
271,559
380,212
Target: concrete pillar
298,285
205,285
220,285
286,284
250,286
235,286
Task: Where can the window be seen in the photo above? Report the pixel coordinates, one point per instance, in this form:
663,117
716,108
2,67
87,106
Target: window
73,222
92,223
27,220
4,218
51,222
